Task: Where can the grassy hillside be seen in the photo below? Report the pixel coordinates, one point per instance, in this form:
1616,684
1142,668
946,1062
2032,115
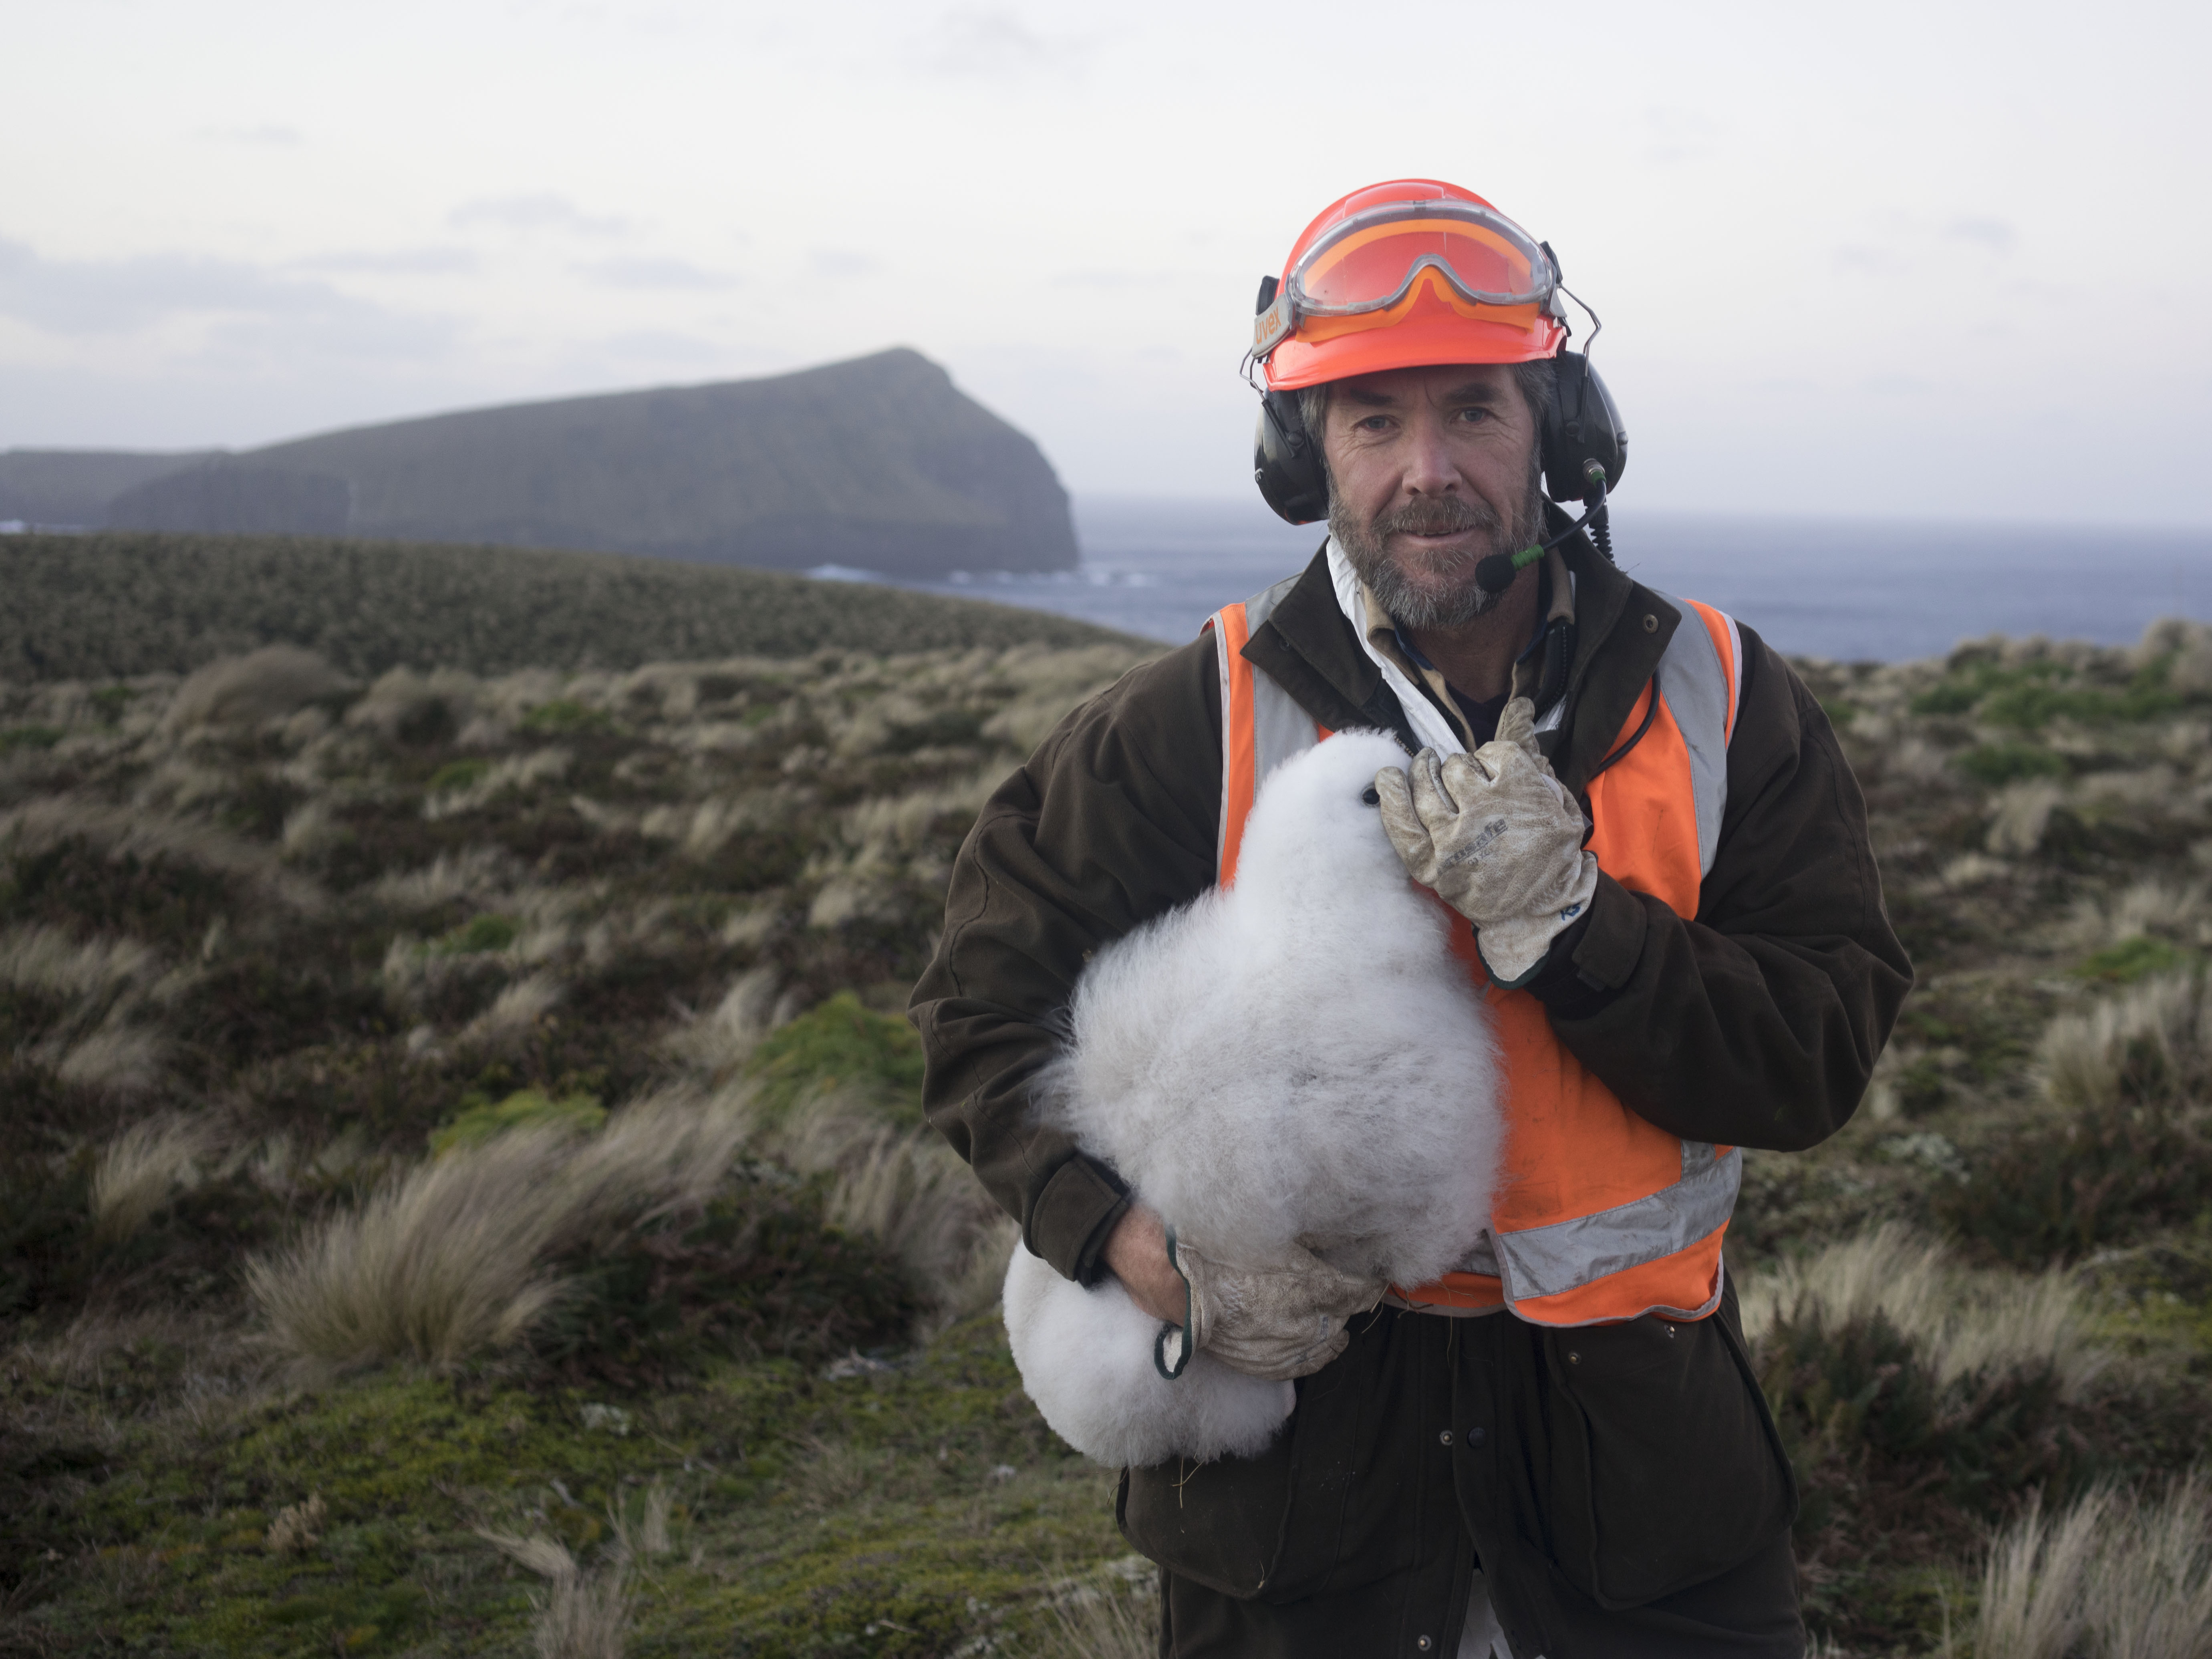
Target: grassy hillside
462,1189
118,604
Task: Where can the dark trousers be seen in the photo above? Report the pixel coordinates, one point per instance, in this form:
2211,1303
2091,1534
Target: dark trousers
1621,1486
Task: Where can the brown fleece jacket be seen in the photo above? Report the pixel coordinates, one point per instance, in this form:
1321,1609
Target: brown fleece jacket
1757,1024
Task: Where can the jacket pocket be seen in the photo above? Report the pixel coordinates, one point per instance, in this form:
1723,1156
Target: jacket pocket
1294,1520
1665,1466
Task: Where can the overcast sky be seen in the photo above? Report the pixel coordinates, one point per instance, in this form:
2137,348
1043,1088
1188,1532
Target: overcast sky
1925,259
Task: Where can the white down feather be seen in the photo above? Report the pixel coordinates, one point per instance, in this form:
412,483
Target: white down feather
1298,1057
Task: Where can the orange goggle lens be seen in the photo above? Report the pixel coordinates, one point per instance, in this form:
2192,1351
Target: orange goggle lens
1370,261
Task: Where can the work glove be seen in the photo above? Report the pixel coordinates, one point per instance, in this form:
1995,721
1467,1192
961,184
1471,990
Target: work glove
1498,838
1278,1322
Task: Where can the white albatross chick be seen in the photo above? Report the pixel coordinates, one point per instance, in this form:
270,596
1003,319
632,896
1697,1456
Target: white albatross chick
1298,1057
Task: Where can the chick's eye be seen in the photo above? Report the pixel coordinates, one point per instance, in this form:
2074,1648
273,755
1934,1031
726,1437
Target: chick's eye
1372,795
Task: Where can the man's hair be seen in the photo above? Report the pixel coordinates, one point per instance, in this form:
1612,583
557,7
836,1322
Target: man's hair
1539,389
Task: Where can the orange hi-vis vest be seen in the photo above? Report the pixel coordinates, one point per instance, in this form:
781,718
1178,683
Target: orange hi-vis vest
1600,1216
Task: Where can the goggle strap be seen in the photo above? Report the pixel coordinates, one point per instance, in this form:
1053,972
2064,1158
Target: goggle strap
1274,326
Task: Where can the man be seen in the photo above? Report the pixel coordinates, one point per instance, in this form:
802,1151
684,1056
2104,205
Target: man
1560,1450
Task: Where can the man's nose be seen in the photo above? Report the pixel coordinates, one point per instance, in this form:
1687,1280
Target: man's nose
1431,469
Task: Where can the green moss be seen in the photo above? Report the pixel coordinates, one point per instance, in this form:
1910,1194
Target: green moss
478,1121
564,715
2130,959
489,931
2030,696
926,1500
843,1042
458,774
1994,764
13,738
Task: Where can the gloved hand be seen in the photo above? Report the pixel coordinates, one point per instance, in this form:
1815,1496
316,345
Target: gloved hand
1498,838
1282,1320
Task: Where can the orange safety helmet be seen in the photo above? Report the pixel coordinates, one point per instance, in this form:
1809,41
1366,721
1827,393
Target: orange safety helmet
1403,274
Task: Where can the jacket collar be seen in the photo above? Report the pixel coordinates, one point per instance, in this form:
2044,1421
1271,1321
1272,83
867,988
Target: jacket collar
1309,648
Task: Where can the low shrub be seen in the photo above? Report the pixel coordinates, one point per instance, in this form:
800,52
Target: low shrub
1917,1399
758,1272
2107,1173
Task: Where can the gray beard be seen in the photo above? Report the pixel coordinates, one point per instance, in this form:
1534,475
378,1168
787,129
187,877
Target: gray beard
1461,598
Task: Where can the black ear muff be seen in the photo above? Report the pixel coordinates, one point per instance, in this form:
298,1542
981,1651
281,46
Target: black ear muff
1583,426
1286,461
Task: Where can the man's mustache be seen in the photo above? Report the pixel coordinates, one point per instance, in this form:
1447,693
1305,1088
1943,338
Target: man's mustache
1441,515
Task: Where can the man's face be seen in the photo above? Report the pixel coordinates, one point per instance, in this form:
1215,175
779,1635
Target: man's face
1431,471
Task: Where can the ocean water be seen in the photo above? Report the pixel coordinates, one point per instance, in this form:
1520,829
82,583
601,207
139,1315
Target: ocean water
1849,589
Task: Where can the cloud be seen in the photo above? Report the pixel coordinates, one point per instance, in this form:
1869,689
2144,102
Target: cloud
249,307
96,296
645,273
1995,234
1674,135
268,136
1864,260
542,211
1119,279
434,261
989,41
838,262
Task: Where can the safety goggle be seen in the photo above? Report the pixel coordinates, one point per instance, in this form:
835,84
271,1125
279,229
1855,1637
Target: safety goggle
1369,262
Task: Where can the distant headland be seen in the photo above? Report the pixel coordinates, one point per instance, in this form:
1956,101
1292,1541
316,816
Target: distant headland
879,463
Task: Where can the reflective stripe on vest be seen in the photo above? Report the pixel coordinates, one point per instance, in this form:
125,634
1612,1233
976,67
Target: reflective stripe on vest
1601,1215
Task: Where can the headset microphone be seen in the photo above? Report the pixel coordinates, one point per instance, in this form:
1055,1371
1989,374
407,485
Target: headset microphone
1495,574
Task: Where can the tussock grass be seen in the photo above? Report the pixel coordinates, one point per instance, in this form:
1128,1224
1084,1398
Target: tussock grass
514,1014
447,1261
904,1187
116,1059
85,972
1963,1323
654,841
517,775
101,995
582,1616
716,1044
579,1614
138,1172
2152,1042
2020,814
250,690
1113,1613
477,875
122,832
2113,1576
